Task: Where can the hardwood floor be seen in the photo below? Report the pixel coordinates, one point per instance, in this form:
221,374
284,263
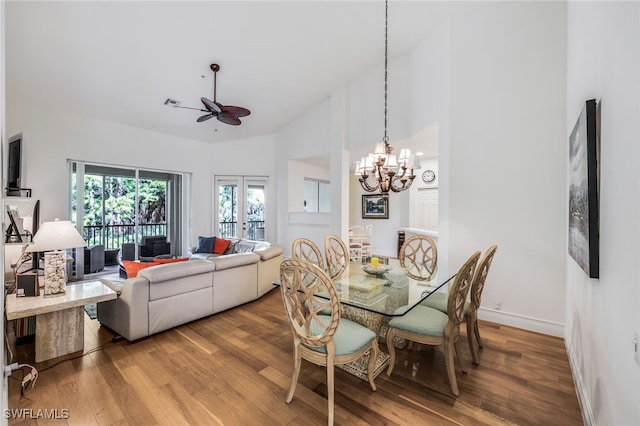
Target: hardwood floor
234,368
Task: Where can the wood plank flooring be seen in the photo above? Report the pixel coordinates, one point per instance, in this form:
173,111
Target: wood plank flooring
233,368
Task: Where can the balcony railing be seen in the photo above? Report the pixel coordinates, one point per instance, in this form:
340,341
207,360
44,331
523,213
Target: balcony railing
113,236
255,229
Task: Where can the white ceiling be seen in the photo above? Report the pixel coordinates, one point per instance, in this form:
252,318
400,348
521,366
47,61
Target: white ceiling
121,60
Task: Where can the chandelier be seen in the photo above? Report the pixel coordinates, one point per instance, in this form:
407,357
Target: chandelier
382,170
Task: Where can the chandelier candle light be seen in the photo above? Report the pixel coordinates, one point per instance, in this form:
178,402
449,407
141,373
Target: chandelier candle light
388,171
53,238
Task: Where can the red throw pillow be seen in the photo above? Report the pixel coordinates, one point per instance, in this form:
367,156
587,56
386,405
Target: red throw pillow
133,267
220,245
172,260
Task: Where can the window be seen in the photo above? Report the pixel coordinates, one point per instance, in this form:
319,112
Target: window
317,196
114,206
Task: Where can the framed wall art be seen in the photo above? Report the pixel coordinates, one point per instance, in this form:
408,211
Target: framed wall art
584,221
375,206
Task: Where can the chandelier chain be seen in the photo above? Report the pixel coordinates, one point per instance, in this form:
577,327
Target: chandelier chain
387,171
385,139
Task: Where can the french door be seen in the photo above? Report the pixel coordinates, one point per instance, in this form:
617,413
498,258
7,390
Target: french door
239,208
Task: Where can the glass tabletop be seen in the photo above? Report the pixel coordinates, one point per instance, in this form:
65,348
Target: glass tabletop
384,293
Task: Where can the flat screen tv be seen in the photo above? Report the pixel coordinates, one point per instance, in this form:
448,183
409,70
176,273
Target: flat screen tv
14,162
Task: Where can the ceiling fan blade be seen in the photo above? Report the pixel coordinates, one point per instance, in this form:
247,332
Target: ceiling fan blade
204,117
237,111
212,105
229,119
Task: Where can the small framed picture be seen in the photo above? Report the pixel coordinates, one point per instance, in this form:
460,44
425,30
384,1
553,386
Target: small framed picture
375,207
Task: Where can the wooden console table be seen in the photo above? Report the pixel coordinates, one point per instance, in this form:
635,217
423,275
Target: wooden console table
59,319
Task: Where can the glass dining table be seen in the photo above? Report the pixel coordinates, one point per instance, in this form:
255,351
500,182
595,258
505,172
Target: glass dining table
372,298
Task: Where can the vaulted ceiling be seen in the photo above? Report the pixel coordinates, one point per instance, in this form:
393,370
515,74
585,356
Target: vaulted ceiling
121,60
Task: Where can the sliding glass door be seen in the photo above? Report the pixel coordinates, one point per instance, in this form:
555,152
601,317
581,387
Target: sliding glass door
119,207
240,206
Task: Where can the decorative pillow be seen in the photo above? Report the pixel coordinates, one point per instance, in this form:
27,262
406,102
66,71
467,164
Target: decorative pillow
133,267
171,260
245,247
221,245
205,244
232,248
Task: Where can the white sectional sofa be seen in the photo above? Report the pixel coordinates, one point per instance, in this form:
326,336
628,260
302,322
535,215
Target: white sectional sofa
165,296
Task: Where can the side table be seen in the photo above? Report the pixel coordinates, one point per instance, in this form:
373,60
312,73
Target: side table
59,319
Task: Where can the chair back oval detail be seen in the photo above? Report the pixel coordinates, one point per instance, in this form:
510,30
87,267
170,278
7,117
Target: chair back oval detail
303,248
460,290
300,282
336,255
419,257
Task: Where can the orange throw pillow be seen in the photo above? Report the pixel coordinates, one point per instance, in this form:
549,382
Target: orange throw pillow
172,260
132,267
220,245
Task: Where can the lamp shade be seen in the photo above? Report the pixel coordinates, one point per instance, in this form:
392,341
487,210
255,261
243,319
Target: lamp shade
56,235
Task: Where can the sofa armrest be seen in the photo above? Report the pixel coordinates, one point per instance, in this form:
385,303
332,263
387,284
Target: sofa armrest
128,315
233,260
270,252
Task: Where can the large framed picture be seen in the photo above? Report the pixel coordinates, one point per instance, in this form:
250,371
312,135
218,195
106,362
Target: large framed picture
583,191
375,207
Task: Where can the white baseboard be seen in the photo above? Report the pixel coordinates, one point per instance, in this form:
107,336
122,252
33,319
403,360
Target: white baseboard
521,321
581,391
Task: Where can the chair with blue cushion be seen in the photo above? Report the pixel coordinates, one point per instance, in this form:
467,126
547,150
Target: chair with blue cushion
419,257
431,327
303,248
322,339
439,301
336,255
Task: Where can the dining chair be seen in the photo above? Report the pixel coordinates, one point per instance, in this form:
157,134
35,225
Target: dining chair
303,248
431,327
419,257
366,241
325,340
356,236
439,300
336,255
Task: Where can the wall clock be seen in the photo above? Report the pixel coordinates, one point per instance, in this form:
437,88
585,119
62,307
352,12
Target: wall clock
428,176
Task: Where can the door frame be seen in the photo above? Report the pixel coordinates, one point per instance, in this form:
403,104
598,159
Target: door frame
242,182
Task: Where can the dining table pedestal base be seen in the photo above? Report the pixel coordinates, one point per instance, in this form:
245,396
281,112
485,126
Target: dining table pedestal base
360,366
373,321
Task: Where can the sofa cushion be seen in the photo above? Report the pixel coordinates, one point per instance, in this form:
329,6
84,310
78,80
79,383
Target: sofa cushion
232,247
133,267
245,246
234,260
177,270
170,260
221,245
205,244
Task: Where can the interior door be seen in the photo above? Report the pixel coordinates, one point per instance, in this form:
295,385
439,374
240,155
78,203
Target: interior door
240,206
427,209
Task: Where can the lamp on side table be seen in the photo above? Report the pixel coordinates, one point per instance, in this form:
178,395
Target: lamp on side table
53,238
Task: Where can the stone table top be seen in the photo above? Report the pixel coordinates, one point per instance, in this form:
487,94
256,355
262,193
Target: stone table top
75,295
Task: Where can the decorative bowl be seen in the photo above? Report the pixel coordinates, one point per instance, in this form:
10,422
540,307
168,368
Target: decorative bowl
376,270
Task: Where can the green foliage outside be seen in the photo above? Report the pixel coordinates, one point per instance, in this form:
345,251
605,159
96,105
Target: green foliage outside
117,194
228,210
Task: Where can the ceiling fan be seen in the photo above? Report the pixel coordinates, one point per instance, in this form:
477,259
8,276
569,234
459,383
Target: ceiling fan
226,113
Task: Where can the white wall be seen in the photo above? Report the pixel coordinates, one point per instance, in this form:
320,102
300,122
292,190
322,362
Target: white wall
50,138
298,171
604,63
507,157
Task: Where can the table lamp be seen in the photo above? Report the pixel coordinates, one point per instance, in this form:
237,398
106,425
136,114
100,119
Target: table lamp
53,238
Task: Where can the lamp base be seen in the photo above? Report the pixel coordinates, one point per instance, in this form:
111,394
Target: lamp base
55,276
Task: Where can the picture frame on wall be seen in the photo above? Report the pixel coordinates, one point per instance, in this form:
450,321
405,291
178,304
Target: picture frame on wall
584,221
375,206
